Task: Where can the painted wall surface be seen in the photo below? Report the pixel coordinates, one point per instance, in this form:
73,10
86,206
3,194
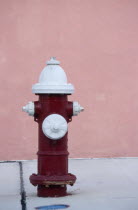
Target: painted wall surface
97,44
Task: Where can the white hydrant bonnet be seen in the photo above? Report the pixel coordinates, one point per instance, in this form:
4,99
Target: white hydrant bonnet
53,80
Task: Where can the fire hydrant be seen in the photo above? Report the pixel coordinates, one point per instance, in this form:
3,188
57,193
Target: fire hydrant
52,112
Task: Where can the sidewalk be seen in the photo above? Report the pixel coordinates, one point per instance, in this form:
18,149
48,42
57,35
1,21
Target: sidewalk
102,184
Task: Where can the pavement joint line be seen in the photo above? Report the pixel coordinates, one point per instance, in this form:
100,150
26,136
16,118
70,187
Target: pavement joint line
89,158
9,161
22,189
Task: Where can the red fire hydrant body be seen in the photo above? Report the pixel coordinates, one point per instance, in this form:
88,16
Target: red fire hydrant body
52,112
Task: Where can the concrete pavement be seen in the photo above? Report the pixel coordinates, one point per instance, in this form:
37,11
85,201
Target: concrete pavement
107,184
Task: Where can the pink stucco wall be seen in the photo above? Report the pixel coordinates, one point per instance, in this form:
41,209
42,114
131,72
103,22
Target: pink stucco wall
97,44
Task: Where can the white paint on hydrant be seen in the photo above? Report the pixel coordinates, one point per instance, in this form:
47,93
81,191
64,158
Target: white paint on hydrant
54,126
77,108
53,80
29,108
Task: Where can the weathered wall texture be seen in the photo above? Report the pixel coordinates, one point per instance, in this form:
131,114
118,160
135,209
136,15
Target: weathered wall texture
97,44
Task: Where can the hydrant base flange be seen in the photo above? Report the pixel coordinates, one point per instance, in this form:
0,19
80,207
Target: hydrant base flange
53,180
52,186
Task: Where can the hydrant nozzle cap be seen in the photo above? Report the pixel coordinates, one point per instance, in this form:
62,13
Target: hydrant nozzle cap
53,61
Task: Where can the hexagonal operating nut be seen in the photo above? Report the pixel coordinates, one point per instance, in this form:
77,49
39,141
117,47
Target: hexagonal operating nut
77,108
29,108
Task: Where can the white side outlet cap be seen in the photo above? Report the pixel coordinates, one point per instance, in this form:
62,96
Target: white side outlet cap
77,108
29,108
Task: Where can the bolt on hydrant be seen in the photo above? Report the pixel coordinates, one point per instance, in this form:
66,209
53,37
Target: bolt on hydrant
52,112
